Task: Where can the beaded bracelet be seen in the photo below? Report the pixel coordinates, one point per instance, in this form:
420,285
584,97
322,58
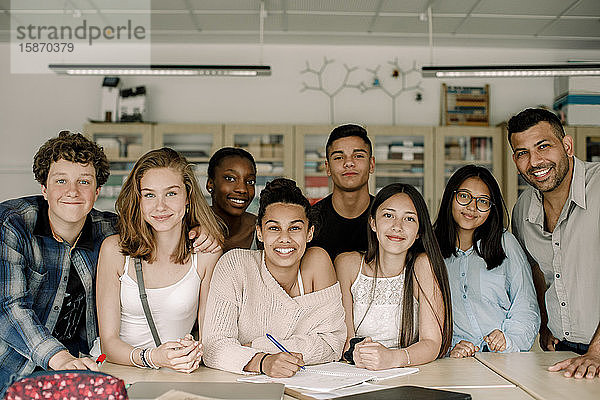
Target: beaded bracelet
261,362
132,360
143,358
407,357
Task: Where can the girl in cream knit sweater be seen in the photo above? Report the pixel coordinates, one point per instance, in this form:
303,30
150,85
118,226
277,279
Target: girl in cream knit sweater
285,290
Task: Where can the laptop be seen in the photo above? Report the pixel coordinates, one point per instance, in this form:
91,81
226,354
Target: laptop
408,392
213,390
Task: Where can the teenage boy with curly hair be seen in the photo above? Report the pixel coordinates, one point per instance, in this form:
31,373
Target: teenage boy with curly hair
49,248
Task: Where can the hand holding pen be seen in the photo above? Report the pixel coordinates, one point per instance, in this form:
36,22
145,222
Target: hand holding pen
281,365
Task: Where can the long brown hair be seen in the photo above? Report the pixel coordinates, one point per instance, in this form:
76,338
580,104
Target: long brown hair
425,243
137,237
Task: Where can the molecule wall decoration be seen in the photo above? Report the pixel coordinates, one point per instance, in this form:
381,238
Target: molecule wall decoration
331,93
401,87
401,81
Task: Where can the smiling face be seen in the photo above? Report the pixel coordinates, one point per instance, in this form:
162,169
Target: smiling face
542,159
70,191
284,231
164,199
349,163
232,189
468,218
396,224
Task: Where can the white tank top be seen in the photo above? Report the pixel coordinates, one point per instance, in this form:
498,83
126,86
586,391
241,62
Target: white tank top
300,284
174,308
382,320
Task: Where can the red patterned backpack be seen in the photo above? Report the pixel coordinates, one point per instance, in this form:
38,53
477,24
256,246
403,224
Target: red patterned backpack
67,385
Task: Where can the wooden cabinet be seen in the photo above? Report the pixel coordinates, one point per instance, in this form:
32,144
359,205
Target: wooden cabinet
587,143
403,154
272,148
123,144
195,141
423,156
309,168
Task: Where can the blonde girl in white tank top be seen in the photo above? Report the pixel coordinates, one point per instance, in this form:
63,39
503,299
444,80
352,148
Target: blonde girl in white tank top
158,204
397,294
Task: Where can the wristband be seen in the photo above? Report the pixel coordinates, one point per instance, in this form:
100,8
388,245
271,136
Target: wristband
143,358
261,363
132,360
150,361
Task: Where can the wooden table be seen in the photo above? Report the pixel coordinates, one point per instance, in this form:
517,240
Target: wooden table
529,372
463,375
452,373
466,375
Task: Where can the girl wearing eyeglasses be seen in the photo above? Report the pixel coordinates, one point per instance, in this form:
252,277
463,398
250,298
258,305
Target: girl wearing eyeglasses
494,304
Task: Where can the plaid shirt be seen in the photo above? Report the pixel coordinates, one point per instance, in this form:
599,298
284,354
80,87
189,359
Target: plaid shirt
34,271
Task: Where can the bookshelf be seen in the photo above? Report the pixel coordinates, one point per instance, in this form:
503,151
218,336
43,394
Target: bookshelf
457,146
466,105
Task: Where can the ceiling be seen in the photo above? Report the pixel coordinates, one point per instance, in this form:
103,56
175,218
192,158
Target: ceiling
570,24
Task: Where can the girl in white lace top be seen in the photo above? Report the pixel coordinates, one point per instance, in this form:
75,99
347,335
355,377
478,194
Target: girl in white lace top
396,295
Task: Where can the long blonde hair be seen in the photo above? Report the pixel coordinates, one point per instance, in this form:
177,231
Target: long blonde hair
137,237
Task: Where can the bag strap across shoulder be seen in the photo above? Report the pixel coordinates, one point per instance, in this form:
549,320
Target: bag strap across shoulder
144,299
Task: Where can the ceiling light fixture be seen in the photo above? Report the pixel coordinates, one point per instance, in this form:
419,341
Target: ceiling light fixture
162,70
511,71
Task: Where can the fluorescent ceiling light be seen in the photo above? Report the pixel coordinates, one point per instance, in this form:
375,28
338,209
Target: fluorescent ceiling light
511,71
161,70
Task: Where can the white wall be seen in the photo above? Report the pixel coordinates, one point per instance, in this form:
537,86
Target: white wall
34,108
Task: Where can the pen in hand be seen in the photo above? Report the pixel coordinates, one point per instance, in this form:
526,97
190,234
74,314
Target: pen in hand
279,346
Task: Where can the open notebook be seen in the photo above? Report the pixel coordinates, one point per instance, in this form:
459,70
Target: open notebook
331,376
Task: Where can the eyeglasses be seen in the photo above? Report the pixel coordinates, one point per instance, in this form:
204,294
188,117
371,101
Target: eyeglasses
464,198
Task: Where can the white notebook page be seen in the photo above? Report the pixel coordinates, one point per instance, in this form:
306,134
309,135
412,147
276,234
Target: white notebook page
331,376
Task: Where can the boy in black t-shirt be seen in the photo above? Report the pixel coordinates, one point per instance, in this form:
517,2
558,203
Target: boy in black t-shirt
343,215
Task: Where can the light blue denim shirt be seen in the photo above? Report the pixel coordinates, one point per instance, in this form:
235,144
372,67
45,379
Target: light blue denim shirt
503,298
